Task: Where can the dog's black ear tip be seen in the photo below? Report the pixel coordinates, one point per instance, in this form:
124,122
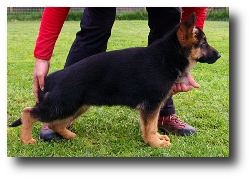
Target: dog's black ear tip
191,20
193,15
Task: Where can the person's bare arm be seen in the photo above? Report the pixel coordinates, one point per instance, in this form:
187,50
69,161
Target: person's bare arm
41,69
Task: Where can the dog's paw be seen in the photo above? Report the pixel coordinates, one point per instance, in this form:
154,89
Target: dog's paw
164,140
72,135
158,140
164,143
29,141
164,137
68,135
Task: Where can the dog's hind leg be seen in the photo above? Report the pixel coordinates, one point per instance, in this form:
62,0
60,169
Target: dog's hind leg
27,122
148,121
59,126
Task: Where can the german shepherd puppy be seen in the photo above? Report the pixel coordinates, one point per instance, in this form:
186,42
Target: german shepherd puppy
140,78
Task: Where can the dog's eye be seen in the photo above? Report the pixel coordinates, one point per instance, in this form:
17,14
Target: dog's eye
204,43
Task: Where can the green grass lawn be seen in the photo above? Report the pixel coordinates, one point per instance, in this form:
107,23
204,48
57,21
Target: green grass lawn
115,131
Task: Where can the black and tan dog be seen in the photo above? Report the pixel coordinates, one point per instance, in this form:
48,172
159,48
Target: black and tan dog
140,78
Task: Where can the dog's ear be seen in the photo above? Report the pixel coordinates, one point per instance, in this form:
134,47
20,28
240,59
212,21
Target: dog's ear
185,32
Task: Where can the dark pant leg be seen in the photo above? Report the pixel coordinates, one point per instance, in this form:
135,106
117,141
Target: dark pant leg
168,108
96,24
162,20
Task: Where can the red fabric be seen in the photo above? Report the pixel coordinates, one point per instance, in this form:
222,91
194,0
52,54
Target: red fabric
200,13
52,21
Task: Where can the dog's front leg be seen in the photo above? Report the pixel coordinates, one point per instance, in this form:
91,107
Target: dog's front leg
27,122
148,121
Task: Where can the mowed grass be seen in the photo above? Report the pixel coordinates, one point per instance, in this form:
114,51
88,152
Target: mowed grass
115,131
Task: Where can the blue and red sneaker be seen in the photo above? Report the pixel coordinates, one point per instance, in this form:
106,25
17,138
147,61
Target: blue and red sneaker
172,124
47,134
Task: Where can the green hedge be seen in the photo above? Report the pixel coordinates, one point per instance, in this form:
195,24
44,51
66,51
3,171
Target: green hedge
218,16
76,16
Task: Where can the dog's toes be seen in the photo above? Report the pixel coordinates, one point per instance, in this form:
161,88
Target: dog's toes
69,135
159,141
164,140
165,143
164,137
30,141
73,135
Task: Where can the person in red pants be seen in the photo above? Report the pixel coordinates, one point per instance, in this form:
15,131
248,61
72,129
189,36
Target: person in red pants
96,25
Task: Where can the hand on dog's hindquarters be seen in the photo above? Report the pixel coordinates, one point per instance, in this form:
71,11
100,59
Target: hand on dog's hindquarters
182,87
41,69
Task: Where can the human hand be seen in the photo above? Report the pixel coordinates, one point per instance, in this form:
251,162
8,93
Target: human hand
183,87
41,69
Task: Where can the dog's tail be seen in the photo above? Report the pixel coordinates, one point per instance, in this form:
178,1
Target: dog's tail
16,123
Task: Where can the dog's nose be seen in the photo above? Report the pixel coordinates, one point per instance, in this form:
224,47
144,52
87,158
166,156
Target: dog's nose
216,54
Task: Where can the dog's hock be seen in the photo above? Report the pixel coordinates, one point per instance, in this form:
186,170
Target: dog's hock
27,122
